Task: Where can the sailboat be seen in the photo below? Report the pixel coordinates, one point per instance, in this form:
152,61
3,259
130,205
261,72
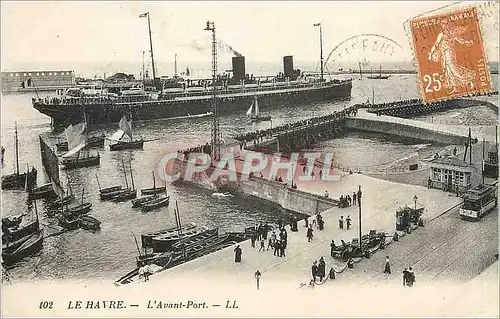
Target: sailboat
379,76
79,155
125,128
22,240
18,180
94,140
255,116
154,189
127,193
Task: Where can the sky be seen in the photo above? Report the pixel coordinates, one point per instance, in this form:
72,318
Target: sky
67,33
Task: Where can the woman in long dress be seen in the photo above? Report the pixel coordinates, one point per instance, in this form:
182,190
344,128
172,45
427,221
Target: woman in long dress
444,51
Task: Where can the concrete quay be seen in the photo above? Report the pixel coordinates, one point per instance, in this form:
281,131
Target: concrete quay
445,253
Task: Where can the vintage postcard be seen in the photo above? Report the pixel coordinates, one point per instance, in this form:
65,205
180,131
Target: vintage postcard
249,159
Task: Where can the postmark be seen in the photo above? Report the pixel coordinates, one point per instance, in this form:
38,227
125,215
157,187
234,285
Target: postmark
450,55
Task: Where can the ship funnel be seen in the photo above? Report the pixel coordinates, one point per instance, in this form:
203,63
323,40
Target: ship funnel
288,66
239,68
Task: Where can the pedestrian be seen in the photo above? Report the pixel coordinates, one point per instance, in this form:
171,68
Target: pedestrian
272,240
321,222
282,248
257,277
141,272
387,268
411,277
265,230
310,234
341,222
405,277
237,254
348,221
314,271
348,199
332,273
321,269
254,238
332,247
354,197
276,247
262,245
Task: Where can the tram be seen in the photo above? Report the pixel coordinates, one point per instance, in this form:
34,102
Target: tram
478,201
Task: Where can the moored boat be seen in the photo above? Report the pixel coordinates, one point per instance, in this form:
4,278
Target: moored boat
164,242
44,191
125,128
146,238
18,180
110,189
152,190
125,195
192,242
92,141
213,249
30,246
12,221
141,200
79,209
160,259
68,221
88,222
155,203
15,233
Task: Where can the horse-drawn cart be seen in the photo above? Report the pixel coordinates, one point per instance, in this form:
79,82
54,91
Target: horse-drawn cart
350,250
407,215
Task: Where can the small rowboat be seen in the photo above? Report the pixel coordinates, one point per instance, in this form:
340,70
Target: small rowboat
111,194
155,203
165,242
13,245
147,237
80,209
141,200
30,246
153,190
88,222
68,221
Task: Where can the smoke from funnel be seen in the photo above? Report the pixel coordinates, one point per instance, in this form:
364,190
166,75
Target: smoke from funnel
229,48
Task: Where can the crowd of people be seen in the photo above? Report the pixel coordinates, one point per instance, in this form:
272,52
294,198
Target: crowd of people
204,148
348,200
277,241
260,135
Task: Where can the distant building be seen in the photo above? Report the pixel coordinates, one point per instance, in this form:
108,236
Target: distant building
39,80
450,173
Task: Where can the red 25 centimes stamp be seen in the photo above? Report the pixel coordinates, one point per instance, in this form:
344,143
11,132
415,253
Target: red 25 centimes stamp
450,55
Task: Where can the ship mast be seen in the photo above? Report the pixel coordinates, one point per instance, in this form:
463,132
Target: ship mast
320,47
150,43
215,140
143,75
175,65
17,149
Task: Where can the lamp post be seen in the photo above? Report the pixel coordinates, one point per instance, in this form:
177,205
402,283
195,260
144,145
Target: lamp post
415,198
359,216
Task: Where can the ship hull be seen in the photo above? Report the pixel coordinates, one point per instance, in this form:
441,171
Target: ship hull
109,112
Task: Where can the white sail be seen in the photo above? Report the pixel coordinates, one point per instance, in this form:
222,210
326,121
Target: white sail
256,106
75,150
75,135
125,126
249,112
117,136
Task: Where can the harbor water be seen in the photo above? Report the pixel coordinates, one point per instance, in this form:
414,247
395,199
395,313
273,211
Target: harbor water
111,252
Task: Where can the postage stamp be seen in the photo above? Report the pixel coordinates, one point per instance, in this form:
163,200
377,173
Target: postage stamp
450,55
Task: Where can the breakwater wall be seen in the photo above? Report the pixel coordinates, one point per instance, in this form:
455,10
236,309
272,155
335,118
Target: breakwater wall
275,193
403,130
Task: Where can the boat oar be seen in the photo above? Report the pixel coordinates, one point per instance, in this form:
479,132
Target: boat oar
151,140
98,184
137,245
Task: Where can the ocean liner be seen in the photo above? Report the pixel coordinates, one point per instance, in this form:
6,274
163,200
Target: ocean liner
192,97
